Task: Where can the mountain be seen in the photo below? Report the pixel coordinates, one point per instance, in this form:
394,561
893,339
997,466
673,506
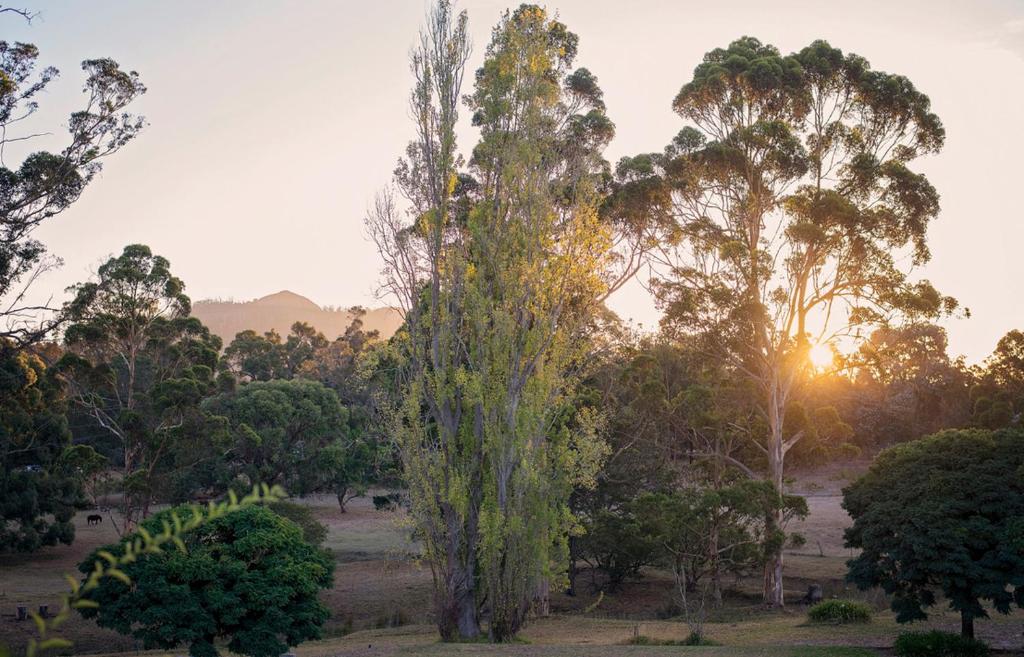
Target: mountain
279,311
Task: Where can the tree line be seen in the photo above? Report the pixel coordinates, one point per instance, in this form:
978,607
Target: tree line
535,433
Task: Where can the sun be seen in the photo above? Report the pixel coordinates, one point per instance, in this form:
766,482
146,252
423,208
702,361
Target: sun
821,356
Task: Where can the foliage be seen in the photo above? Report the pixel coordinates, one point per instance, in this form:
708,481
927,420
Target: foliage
938,644
337,364
906,385
135,547
998,397
840,612
304,352
137,367
942,515
39,488
499,275
254,357
619,544
785,207
294,433
690,640
247,577
313,531
45,184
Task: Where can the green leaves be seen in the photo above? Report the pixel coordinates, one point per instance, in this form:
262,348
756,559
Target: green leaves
935,515
138,551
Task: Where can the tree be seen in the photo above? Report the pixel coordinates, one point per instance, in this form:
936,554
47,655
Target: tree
45,184
302,347
499,274
907,384
38,489
998,396
254,357
944,514
336,364
138,367
785,209
247,577
706,532
294,433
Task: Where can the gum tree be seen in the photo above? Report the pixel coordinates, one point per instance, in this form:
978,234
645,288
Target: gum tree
44,184
789,215
138,366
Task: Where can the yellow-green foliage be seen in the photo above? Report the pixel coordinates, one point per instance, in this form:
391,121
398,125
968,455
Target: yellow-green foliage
514,261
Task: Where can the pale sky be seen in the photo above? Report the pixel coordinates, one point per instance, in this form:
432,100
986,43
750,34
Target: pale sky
272,125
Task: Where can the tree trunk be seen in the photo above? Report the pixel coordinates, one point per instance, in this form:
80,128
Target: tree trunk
341,499
458,618
966,624
573,570
773,590
543,599
716,566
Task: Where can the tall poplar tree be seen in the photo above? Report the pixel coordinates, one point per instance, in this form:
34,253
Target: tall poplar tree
499,275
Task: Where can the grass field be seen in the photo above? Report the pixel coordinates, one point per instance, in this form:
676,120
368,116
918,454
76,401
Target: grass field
380,604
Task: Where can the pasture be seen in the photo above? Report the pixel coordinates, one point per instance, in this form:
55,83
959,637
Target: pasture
381,600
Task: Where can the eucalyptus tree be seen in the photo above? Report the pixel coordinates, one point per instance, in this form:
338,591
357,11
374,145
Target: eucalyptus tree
38,486
998,397
44,184
790,215
138,366
499,274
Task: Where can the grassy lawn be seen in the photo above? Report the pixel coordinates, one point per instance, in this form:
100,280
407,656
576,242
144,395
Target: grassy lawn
420,641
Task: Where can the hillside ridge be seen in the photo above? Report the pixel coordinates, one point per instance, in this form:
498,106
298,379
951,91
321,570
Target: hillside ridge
278,311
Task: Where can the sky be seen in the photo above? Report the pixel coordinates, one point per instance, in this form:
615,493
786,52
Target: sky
272,124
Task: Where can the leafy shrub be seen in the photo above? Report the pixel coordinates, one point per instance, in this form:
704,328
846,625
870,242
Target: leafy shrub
313,531
691,640
938,644
247,577
840,612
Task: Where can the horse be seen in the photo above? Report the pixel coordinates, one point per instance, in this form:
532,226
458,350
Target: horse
94,519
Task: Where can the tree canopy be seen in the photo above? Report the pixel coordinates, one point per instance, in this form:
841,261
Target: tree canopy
138,367
942,515
46,183
247,578
39,489
785,208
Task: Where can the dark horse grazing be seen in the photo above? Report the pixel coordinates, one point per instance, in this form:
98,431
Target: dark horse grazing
94,519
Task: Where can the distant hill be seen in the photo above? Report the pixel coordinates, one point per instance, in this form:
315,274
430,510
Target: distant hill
279,311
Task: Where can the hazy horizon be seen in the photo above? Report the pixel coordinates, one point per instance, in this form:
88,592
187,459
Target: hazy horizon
272,125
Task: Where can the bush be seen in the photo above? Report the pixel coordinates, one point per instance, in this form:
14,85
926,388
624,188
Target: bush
840,612
247,579
691,640
313,531
938,644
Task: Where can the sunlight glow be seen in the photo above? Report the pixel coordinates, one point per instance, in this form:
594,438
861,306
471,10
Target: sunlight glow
821,356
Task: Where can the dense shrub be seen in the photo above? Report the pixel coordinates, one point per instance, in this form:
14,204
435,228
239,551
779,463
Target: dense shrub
313,531
840,611
938,644
692,639
248,581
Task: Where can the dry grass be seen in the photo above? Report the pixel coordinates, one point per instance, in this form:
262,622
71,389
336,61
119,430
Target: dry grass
378,583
